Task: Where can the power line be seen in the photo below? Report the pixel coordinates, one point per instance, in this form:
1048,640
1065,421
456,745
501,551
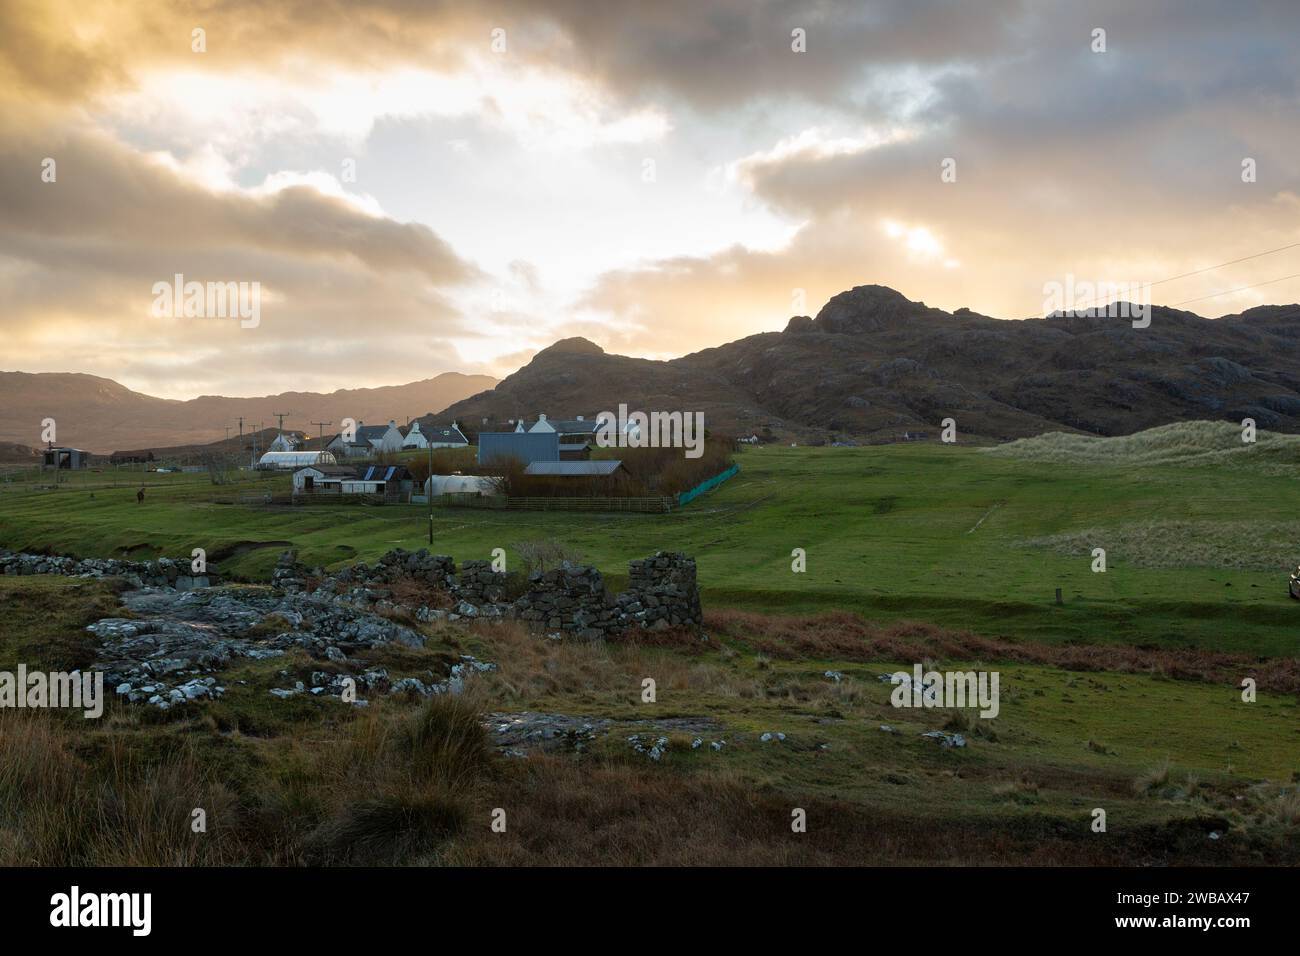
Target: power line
1239,289
1233,262
1196,272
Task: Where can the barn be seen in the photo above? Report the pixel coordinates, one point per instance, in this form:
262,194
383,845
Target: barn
394,482
321,479
71,458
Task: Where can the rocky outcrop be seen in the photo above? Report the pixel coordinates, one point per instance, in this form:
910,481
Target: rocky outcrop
169,651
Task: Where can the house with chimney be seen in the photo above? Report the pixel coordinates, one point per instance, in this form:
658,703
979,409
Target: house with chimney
368,440
418,435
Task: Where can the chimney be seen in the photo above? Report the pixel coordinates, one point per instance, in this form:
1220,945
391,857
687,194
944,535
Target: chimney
580,418
392,423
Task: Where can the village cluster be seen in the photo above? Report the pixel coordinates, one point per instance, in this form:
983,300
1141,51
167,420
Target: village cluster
368,459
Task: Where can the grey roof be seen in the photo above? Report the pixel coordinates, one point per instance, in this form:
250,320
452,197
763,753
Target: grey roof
367,432
568,426
572,426
525,446
600,468
439,433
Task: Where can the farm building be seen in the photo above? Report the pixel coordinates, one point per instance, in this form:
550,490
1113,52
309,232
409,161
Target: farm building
394,482
136,457
526,447
434,436
72,458
321,479
286,460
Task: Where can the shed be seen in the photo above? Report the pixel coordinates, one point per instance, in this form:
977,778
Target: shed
71,458
394,482
321,479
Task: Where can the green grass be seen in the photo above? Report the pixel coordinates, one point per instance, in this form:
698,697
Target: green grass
946,534
302,780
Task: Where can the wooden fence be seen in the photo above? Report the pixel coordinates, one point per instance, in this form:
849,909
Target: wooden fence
282,498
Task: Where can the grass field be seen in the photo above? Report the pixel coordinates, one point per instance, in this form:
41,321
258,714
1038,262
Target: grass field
1197,557
1185,771
1126,697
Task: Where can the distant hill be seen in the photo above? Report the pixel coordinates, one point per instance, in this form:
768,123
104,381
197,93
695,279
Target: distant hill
100,415
873,363
12,453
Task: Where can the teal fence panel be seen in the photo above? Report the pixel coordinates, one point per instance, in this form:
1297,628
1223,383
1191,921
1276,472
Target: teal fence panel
707,485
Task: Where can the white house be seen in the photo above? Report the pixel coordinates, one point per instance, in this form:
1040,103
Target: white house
283,442
381,438
368,440
574,430
433,436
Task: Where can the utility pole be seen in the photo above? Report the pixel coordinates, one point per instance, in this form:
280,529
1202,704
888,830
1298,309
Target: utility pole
321,426
282,416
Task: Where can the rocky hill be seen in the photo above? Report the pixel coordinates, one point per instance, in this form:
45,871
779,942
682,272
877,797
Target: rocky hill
873,363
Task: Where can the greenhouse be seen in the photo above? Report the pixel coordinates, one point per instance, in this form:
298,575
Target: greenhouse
289,460
460,485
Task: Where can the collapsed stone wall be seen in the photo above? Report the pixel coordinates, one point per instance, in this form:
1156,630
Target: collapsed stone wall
662,590
662,593
662,587
163,573
478,584
568,598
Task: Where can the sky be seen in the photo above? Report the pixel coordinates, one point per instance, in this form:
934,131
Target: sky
420,187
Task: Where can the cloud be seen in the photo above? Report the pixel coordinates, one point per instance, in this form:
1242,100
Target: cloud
1118,166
